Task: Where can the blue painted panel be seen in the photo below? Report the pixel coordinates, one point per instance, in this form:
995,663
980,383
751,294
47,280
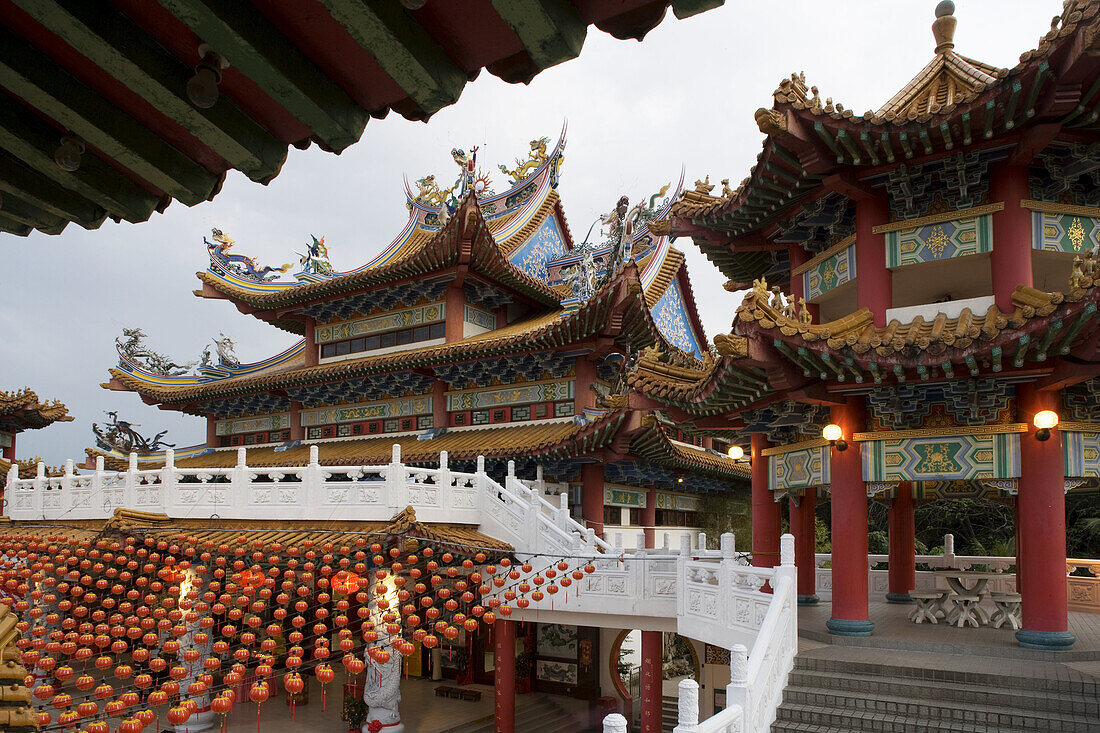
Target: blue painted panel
671,317
547,243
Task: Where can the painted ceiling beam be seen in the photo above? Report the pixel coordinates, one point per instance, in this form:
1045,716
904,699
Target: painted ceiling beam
12,226
122,49
241,33
27,213
37,79
19,180
552,31
403,49
27,137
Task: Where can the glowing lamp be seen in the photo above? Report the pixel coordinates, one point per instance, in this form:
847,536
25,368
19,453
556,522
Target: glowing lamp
1044,420
835,436
736,452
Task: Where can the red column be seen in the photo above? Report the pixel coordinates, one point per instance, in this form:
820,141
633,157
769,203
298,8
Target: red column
903,545
9,451
649,518
804,531
1010,261
455,300
585,377
297,432
651,682
765,510
592,496
874,286
504,676
1041,518
312,350
850,615
211,430
439,404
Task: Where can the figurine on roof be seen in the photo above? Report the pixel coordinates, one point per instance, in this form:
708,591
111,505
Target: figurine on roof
226,356
134,350
239,265
524,168
120,435
315,259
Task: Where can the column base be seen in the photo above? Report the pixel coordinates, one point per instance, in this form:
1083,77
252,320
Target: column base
898,598
1058,641
849,627
808,600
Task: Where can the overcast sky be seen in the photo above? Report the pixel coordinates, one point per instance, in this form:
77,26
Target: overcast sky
637,112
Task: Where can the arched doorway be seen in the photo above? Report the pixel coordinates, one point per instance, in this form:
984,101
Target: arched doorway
679,661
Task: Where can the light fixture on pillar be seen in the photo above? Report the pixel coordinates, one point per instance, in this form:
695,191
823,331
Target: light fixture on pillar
736,452
1044,420
202,88
835,436
680,480
67,155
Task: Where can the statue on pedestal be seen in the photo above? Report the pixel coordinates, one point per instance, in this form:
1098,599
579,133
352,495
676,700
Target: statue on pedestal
382,694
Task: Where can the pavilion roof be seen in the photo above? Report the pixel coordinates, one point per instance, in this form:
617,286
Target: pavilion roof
116,78
655,445
22,410
616,310
816,154
853,348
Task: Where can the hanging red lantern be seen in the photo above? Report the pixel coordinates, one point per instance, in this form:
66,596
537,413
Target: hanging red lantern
178,714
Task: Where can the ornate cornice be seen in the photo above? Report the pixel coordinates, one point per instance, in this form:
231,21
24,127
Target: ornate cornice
970,213
1050,207
997,429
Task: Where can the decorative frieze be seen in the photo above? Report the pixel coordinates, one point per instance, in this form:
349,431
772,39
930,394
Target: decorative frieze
421,405
800,468
1081,453
1063,232
942,457
836,267
974,402
678,502
931,241
516,394
621,496
261,424
431,313
479,318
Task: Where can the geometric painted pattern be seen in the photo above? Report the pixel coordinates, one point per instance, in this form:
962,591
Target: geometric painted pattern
968,402
387,322
1082,401
830,273
253,424
409,293
517,394
785,422
670,315
799,469
506,369
619,496
1064,232
1081,453
479,318
421,405
242,405
940,241
365,389
942,458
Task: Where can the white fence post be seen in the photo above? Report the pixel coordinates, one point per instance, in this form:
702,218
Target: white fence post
97,479
313,480
168,483
614,723
129,487
482,486
687,719
397,481
446,491
737,692
238,482
9,492
681,572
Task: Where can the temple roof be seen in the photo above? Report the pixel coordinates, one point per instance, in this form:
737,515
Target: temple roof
338,532
22,410
162,100
816,152
622,296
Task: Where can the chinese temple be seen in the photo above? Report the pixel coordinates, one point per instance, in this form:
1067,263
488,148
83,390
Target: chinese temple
481,329
22,410
920,316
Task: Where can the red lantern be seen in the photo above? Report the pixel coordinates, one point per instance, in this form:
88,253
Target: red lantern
178,714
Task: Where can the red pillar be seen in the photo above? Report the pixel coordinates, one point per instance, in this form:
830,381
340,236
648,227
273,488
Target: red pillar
765,510
903,545
651,682
592,496
312,350
804,531
649,518
874,286
585,377
439,404
850,615
297,432
1010,261
211,430
1041,517
504,676
9,451
454,315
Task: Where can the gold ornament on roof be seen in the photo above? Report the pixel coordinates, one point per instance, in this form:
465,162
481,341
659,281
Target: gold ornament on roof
535,158
1085,270
726,190
704,185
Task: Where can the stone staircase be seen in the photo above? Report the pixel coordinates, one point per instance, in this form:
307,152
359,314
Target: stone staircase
860,689
534,714
670,711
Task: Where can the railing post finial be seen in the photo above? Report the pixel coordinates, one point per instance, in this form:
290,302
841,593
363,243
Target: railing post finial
614,723
511,469
397,453
481,464
739,665
786,549
442,459
241,458
314,456
687,705
169,458
728,545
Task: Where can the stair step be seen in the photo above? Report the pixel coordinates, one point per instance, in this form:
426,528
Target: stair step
919,689
849,720
975,710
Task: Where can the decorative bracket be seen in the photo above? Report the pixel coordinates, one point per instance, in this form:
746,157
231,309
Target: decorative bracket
1073,483
874,487
1010,486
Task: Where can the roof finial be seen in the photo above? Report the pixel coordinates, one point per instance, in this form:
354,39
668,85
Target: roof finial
943,27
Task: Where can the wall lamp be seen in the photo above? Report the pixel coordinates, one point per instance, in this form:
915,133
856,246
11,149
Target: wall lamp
67,155
1044,420
736,452
835,436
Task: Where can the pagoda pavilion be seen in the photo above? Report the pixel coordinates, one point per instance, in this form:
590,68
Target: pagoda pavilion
482,329
23,410
920,321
